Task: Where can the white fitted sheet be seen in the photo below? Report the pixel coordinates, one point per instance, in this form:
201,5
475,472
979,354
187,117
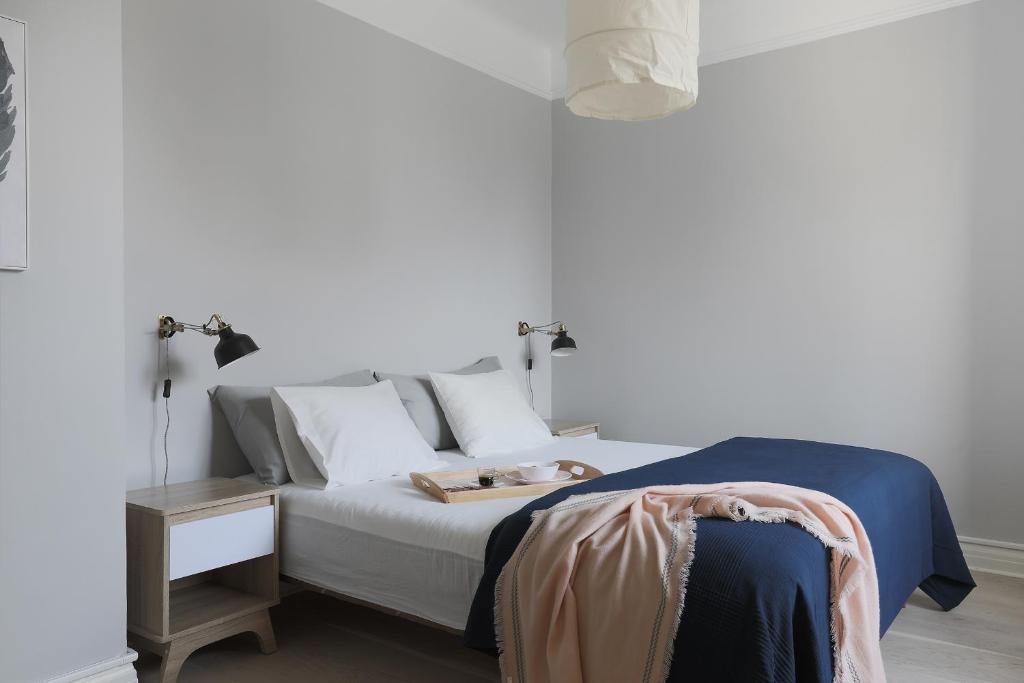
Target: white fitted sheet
390,544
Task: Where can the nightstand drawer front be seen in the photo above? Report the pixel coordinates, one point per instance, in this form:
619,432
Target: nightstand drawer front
205,544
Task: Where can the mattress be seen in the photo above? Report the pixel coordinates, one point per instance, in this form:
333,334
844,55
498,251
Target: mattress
392,545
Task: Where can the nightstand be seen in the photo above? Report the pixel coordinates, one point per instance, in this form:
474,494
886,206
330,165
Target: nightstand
202,566
574,428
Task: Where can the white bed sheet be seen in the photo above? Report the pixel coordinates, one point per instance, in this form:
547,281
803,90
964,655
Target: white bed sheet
390,544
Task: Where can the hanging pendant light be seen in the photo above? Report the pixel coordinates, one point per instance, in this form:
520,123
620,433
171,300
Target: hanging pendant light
632,60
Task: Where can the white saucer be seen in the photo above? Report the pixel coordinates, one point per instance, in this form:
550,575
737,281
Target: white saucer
561,476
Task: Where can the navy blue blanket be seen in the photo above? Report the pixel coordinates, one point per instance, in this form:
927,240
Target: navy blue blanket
757,603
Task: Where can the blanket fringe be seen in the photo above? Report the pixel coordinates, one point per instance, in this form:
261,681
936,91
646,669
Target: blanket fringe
499,623
684,580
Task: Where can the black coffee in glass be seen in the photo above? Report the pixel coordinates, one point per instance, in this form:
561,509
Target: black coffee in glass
486,476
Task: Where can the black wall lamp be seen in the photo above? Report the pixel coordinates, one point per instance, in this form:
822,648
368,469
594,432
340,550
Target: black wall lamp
562,345
231,347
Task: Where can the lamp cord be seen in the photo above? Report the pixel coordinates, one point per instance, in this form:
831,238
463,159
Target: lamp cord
529,369
167,406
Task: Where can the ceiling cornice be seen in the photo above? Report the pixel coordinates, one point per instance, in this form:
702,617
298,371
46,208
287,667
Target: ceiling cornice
829,30
463,31
539,89
472,33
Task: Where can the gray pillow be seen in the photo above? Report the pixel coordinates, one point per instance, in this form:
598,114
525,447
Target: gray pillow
418,398
251,418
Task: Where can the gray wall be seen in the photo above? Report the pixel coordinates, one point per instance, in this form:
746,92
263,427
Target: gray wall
62,357
827,247
345,197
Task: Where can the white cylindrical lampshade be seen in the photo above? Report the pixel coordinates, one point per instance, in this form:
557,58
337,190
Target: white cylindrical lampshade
632,60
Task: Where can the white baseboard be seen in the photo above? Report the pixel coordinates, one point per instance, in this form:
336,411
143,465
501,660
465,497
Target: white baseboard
994,557
116,670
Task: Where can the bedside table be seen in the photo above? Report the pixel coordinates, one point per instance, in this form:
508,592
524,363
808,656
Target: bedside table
574,428
202,566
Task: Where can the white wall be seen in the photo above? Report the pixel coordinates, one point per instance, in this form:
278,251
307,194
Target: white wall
62,357
827,247
345,197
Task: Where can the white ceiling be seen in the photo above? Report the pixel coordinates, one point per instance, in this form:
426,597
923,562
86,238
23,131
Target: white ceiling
521,41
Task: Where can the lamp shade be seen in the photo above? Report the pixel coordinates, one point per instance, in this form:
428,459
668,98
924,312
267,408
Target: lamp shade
563,345
232,347
632,60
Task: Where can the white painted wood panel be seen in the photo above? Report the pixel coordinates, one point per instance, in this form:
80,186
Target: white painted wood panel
219,541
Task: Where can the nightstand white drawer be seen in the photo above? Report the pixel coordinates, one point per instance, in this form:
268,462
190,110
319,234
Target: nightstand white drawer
213,542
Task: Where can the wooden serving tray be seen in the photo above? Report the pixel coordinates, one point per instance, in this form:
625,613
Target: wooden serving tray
461,486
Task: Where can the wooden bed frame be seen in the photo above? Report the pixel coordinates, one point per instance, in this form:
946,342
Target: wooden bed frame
305,585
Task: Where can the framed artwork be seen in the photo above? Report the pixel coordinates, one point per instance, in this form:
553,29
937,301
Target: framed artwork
13,146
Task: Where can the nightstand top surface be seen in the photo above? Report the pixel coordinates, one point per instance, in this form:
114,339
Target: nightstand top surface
194,495
558,427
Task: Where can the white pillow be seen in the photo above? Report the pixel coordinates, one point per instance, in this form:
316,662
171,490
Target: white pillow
488,413
353,434
300,466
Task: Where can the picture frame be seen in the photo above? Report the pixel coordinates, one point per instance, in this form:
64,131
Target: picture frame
14,148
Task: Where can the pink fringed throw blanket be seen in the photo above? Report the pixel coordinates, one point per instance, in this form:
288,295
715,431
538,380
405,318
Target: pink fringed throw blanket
595,590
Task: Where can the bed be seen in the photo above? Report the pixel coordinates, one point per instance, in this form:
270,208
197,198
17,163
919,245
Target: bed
757,605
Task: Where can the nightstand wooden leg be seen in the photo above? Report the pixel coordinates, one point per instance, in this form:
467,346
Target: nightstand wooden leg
178,650
174,656
264,631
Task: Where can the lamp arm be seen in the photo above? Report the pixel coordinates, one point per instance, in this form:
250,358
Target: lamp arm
205,329
525,328
168,326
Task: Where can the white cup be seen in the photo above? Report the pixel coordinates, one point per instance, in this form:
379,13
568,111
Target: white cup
538,471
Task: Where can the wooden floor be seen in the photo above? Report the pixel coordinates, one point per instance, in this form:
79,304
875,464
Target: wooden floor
322,639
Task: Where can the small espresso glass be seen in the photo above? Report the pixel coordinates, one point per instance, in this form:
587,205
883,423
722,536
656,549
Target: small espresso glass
486,476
